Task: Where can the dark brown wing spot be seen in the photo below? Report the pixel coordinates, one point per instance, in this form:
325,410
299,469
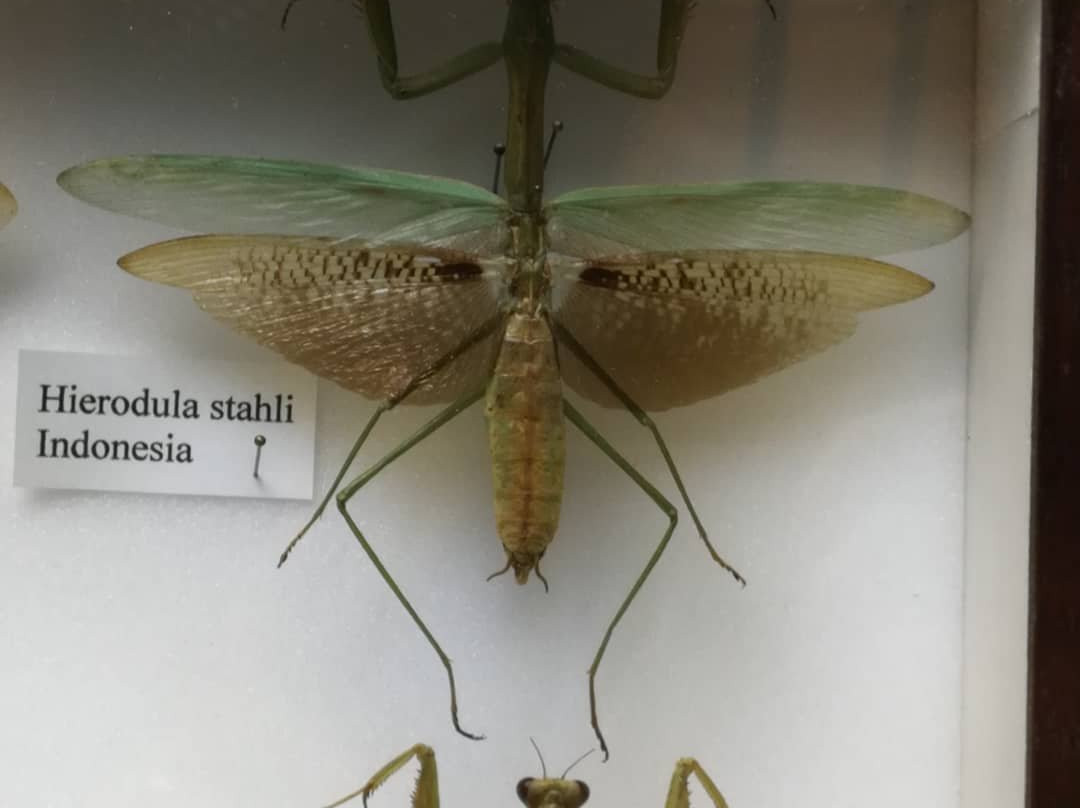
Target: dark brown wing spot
457,272
598,276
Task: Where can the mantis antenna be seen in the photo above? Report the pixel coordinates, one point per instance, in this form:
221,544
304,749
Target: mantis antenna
576,762
543,768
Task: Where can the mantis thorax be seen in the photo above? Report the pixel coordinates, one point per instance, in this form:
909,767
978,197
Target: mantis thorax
528,48
530,280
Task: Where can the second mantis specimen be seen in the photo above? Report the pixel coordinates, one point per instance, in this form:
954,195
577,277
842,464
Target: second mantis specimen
534,792
427,290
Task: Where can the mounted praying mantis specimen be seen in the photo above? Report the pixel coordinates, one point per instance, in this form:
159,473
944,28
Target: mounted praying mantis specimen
403,287
534,792
8,207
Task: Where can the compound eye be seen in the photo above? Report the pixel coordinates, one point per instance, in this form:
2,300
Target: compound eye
584,791
523,788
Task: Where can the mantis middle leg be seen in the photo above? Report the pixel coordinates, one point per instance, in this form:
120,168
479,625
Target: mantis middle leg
674,15
673,18
381,28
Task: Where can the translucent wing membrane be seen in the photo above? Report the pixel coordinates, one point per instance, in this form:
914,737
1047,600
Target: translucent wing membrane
7,205
370,319
243,195
675,329
857,219
712,286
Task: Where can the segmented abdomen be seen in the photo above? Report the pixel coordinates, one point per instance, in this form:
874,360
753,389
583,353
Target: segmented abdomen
526,436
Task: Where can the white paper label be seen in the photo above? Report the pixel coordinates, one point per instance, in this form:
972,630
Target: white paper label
120,423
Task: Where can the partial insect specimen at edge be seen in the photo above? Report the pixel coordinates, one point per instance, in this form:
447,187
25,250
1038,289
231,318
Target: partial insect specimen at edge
534,792
8,207
428,290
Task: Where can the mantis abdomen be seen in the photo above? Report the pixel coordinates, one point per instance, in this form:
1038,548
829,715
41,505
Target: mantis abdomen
527,441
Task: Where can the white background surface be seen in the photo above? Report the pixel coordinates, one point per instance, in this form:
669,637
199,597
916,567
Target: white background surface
151,652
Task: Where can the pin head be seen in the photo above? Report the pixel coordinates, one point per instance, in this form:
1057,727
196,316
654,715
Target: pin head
500,150
260,441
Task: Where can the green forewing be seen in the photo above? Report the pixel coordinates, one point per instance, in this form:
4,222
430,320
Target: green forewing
825,217
7,205
244,195
673,329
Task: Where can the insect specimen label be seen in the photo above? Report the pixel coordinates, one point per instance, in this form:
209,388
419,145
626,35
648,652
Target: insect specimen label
192,427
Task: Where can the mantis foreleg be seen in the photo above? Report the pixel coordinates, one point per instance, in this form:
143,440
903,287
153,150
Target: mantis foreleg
578,420
426,791
575,347
347,493
679,792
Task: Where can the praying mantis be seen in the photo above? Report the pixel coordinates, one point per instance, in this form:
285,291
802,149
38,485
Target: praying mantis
534,792
8,207
407,288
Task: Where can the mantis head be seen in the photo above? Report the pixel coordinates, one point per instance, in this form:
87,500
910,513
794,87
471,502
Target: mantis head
542,792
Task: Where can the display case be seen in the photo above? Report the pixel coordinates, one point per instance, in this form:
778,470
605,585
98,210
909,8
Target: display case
874,496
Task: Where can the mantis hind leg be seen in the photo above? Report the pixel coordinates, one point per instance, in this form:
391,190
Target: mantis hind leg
426,791
679,791
350,490
471,339
576,348
578,420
